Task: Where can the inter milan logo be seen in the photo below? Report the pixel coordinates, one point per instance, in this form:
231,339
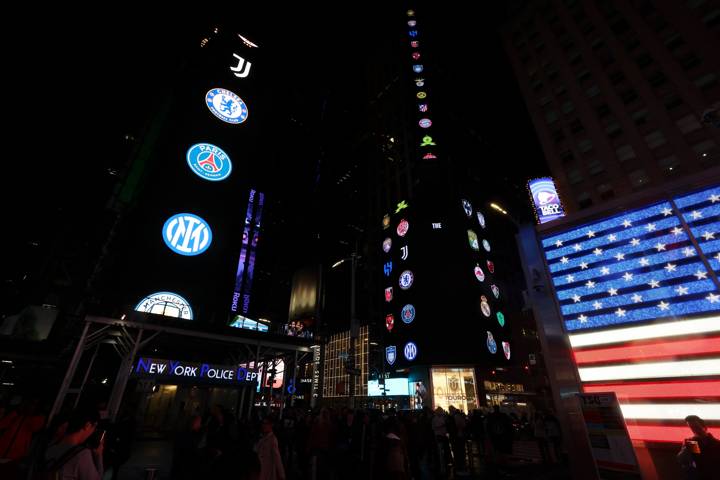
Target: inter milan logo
187,234
209,162
491,345
408,313
410,351
406,279
226,106
390,354
506,349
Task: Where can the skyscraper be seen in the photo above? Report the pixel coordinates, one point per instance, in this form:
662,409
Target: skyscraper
619,92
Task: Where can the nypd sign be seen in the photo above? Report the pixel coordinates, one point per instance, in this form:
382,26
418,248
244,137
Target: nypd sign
209,162
178,371
187,234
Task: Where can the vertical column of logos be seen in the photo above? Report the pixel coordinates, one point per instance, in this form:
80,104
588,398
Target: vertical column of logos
427,144
484,272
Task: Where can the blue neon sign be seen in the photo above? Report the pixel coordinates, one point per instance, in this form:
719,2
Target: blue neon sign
187,234
226,106
209,162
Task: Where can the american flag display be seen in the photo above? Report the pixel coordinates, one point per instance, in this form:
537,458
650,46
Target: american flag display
640,299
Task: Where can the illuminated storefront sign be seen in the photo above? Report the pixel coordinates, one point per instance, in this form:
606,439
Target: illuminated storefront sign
209,162
187,234
168,304
245,323
545,199
501,387
454,386
246,261
226,106
172,371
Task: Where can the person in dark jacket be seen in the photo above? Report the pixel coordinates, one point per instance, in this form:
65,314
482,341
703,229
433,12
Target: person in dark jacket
699,455
187,457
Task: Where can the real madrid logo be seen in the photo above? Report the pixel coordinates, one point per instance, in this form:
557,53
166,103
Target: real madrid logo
226,106
408,313
484,306
209,162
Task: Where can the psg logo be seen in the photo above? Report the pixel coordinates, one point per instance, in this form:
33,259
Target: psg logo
187,234
491,345
408,313
402,227
226,106
406,279
209,162
479,274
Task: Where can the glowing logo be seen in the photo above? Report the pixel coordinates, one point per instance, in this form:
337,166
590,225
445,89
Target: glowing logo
467,206
414,44
421,95
391,354
386,221
402,205
389,294
546,200
387,268
429,156
484,305
425,123
247,42
209,162
387,245
481,219
423,108
404,251
187,234
242,69
411,13
427,141
417,68
402,227
413,33
168,304
491,266
408,313
506,349
500,318
486,245
473,240
406,279
419,82
495,290
410,351
491,345
226,106
479,274
416,55
412,23
389,322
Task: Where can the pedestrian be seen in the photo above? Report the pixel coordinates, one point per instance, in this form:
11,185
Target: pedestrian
541,436
76,456
271,466
699,455
499,428
187,458
395,463
439,426
17,429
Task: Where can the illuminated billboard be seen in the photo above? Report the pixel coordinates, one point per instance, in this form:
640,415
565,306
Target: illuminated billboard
638,294
545,199
393,387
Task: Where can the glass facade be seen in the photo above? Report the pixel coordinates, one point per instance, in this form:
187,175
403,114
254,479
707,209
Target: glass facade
454,387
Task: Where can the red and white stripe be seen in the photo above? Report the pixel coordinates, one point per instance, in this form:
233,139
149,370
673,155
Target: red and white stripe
660,373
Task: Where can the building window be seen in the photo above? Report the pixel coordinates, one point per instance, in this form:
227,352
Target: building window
690,61
706,81
606,191
669,164
655,139
567,106
584,200
595,166
640,117
551,116
592,91
624,153
585,145
688,123
602,110
576,126
704,148
638,178
574,176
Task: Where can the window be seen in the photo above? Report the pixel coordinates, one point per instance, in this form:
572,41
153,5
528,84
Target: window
703,148
584,200
669,164
655,139
602,110
638,178
595,166
567,106
585,145
574,176
688,123
551,116
706,81
624,153
592,91
606,191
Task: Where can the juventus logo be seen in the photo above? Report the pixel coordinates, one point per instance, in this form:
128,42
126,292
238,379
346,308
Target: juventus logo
243,67
404,252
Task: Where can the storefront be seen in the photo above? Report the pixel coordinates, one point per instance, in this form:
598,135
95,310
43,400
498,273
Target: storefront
454,386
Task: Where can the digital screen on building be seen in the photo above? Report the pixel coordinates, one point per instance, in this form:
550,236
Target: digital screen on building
392,387
545,199
639,298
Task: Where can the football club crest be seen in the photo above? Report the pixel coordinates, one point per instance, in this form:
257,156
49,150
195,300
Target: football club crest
500,318
387,245
479,274
414,44
209,162
481,219
417,68
404,251
429,156
389,294
410,351
491,345
427,141
506,350
419,82
226,106
425,123
412,23
473,240
486,245
187,234
416,55
484,306
387,268
386,221
467,206
453,383
168,304
413,33
389,322
495,290
408,313
390,354
410,13
402,227
491,266
406,279
421,95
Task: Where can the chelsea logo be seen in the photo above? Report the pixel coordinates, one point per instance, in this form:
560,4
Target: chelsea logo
226,106
209,162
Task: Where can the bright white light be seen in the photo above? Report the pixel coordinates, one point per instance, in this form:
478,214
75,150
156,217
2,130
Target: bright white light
690,368
339,262
671,411
670,329
498,208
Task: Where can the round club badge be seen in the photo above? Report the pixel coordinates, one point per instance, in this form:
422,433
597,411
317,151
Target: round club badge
386,221
425,123
402,227
226,106
479,274
495,290
481,219
417,68
415,55
491,345
410,351
484,306
187,234
408,313
473,240
387,245
406,279
491,266
486,245
412,23
500,318
421,95
467,206
209,162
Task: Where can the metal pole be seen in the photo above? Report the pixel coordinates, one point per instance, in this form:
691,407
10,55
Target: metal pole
354,329
256,363
69,374
122,378
294,379
87,374
283,388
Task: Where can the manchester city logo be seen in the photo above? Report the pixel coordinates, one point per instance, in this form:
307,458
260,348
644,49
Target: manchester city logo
390,354
209,162
166,303
408,313
226,106
187,234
